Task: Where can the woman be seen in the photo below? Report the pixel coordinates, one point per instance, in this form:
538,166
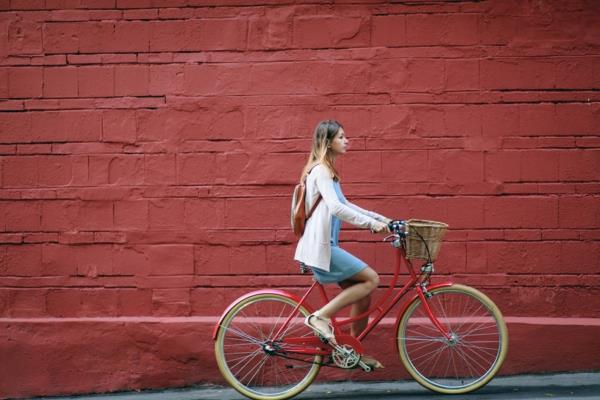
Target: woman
318,246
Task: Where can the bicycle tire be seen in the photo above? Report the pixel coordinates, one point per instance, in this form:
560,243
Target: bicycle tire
471,358
245,362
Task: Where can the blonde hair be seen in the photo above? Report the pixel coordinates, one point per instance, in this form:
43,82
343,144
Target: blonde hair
320,152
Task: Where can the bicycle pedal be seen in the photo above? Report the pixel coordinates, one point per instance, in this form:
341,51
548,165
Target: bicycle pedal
365,367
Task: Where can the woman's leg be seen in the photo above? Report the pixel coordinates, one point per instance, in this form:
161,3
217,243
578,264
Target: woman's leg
365,282
358,308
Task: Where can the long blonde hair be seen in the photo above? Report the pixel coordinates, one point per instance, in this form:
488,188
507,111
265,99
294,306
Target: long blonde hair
320,152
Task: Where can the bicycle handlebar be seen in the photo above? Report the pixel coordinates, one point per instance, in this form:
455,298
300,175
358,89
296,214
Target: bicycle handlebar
398,227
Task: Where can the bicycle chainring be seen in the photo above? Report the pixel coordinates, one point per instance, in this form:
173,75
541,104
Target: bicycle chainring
345,356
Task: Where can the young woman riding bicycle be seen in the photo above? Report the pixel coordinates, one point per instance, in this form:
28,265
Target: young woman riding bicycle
318,247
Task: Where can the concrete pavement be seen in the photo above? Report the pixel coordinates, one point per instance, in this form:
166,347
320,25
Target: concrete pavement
530,387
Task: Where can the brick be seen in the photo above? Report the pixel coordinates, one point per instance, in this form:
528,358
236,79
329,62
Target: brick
577,73
15,127
193,169
96,37
58,260
537,119
579,211
126,170
503,166
521,212
273,30
132,80
170,259
581,165
465,212
211,260
23,260
59,215
582,255
414,168
425,75
166,214
98,169
152,125
327,31
461,74
4,82
25,303
167,79
425,29
196,35
60,82
216,79
131,36
96,81
171,302
20,172
131,215
21,215
61,37
539,166
357,167
257,213
576,119
201,214
66,125
391,76
456,166
497,29
119,126
29,149
25,82
95,215
24,37
55,171
500,120
309,77
263,169
388,30
160,169
248,259
518,74
134,302
141,14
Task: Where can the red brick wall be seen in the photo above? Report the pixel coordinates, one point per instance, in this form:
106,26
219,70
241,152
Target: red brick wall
148,150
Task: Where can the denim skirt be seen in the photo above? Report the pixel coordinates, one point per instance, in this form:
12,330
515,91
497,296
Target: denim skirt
343,266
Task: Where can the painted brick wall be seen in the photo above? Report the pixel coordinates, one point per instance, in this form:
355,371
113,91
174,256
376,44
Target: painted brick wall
148,150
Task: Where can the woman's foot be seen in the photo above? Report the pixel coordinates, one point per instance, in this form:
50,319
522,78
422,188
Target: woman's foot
321,326
371,362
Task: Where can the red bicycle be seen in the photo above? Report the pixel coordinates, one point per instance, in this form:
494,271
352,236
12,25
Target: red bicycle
451,338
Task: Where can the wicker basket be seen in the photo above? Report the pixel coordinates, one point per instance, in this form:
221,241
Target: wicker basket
431,231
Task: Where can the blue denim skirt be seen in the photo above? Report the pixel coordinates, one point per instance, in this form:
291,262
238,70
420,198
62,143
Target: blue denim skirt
343,266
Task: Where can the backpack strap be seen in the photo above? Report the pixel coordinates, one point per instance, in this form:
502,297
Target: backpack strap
314,207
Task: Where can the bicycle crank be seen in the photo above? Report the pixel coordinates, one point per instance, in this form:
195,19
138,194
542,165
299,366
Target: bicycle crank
346,357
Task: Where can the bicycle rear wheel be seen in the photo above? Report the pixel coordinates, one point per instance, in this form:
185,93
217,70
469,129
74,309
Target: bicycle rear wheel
255,362
473,354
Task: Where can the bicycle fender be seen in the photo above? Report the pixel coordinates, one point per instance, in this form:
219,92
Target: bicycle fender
408,303
255,293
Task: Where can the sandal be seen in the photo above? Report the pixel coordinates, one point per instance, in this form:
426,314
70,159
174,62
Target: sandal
371,362
328,335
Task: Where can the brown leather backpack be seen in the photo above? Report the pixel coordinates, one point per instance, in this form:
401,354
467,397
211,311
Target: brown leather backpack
299,216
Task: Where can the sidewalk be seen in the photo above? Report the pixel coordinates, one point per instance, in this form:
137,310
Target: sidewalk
531,387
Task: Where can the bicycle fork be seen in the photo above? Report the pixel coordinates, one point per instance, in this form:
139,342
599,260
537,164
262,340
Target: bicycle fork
424,295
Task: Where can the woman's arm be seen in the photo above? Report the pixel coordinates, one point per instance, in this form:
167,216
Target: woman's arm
324,183
371,214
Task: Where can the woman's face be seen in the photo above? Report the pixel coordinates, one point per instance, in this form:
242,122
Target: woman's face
339,143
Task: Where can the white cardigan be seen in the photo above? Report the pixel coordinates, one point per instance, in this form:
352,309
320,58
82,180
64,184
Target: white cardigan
314,247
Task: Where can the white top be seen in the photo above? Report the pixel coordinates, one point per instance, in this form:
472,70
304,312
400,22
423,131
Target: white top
314,247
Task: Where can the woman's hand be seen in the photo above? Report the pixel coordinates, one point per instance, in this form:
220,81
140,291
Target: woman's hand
380,227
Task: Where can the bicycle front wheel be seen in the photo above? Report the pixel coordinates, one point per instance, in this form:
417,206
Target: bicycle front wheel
470,357
255,362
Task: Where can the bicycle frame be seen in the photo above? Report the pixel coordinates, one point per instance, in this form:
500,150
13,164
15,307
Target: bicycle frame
313,345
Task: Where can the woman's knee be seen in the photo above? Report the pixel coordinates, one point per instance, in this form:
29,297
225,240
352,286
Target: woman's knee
372,279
